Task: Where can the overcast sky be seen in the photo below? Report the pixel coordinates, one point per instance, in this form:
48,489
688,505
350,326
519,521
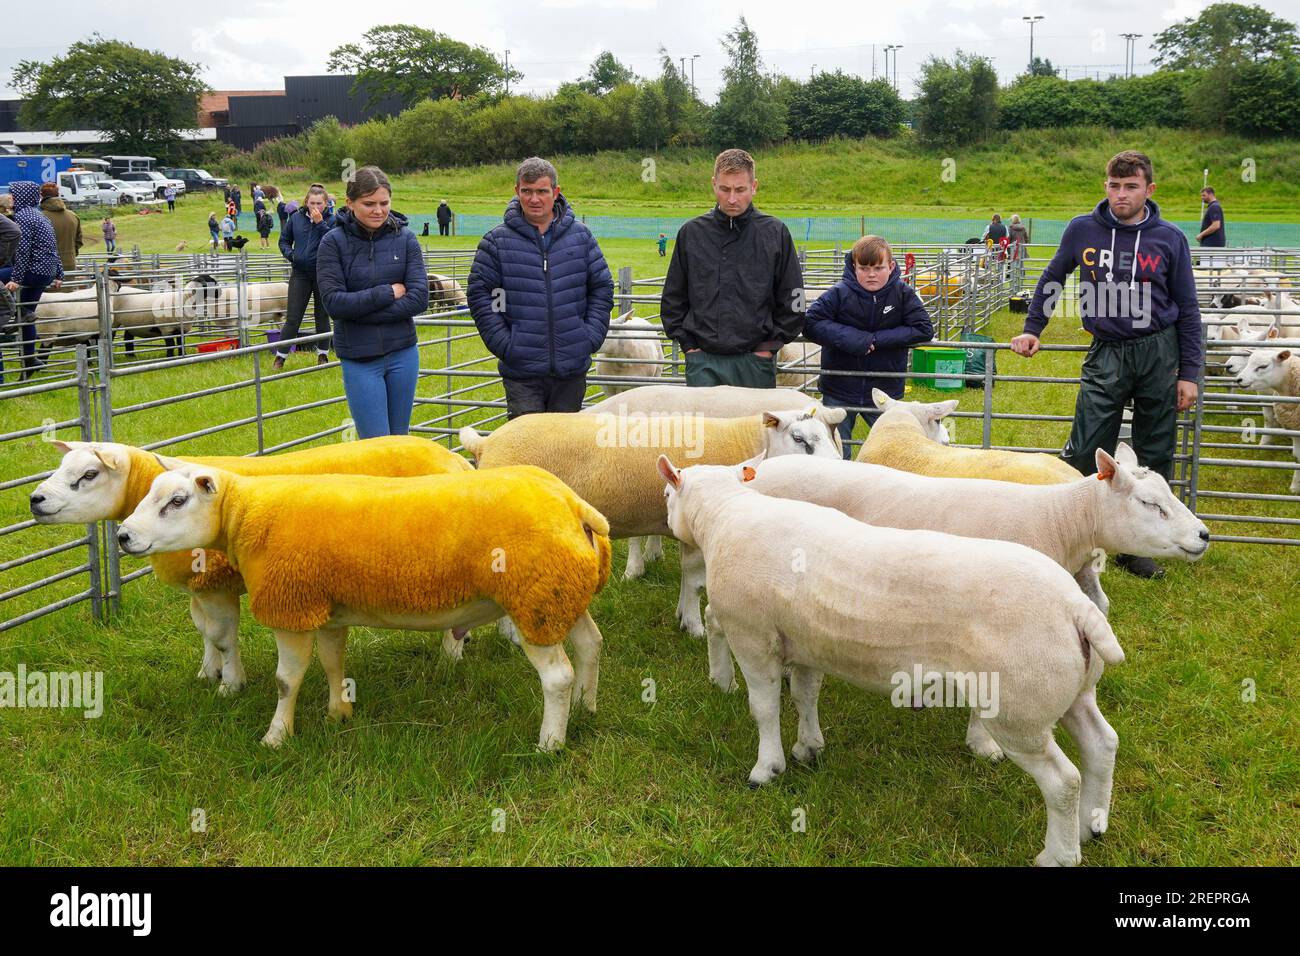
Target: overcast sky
252,44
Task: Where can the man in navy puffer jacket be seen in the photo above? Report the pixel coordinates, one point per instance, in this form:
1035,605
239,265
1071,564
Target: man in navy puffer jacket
540,293
370,271
866,323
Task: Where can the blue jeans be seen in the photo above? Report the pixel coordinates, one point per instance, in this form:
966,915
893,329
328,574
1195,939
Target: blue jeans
26,298
845,428
381,391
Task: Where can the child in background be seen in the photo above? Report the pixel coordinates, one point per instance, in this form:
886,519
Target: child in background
866,322
663,245
228,232
109,229
213,230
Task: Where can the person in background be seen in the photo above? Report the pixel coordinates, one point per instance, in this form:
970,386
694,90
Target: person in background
1017,232
867,322
282,210
10,235
214,230
545,267
1213,234
265,223
995,231
228,232
237,198
329,204
232,212
734,290
444,219
170,195
109,228
257,191
299,243
372,278
663,245
66,223
36,265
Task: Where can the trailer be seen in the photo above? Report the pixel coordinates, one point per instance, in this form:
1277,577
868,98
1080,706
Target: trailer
36,169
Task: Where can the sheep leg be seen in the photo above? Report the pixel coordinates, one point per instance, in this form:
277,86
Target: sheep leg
556,673
331,646
509,629
980,741
762,673
216,615
688,598
635,563
1059,781
1098,744
294,655
1270,421
1090,583
586,640
453,643
805,687
1295,475
722,670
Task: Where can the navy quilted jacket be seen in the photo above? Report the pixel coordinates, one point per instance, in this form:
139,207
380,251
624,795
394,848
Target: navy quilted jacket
847,321
355,272
300,238
552,308
38,252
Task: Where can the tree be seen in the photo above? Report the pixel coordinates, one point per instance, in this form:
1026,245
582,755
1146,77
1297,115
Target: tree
958,101
1041,67
605,74
833,104
747,114
652,126
138,97
1225,33
414,64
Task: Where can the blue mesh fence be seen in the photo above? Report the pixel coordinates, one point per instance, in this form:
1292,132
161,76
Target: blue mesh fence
896,230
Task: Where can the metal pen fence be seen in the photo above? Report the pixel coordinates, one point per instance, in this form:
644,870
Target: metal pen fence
99,393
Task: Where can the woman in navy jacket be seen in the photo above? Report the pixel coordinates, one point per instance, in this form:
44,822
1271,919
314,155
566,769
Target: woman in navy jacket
370,271
299,241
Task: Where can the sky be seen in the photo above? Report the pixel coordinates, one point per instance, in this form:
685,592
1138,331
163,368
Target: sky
253,44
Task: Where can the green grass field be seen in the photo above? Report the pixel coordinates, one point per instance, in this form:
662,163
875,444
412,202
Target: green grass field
439,755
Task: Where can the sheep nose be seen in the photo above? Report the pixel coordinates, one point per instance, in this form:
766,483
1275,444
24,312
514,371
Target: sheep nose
123,537
1205,534
36,499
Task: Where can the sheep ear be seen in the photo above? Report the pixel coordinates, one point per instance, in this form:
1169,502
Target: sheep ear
943,409
771,420
62,446
830,416
668,472
756,460
110,457
1243,326
1282,356
206,482
1272,332
1106,465
1125,455
880,399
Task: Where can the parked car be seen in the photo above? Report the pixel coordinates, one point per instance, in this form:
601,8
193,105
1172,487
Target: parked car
157,179
131,192
9,149
81,187
195,179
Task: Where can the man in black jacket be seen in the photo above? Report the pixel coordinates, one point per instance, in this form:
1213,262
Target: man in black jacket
444,219
734,291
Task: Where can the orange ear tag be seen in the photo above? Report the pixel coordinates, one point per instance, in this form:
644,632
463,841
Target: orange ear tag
1103,475
749,474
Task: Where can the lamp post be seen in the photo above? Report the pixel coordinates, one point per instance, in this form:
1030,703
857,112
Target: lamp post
897,47
889,48
1130,52
694,57
1031,21
507,72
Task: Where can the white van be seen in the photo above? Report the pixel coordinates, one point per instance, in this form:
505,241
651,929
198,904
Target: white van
80,187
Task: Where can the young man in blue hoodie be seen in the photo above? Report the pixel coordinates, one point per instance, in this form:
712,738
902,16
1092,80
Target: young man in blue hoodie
865,323
1137,297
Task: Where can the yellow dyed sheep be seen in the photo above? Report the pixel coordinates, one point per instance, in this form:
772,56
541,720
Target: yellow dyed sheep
899,440
107,481
448,551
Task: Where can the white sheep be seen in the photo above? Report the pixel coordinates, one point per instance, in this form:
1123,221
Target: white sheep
796,585
714,401
428,553
1278,370
634,341
609,460
445,293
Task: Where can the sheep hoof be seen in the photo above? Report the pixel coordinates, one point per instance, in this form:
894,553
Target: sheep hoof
275,737
761,775
724,682
806,755
209,673
1049,859
342,712
230,688
549,745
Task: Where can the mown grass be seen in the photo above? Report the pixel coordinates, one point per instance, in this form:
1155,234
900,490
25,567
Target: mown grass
438,751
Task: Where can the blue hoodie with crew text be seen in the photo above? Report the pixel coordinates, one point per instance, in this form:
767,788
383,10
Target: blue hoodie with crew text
1135,279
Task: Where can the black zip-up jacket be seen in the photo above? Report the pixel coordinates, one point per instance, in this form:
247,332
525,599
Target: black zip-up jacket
734,284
